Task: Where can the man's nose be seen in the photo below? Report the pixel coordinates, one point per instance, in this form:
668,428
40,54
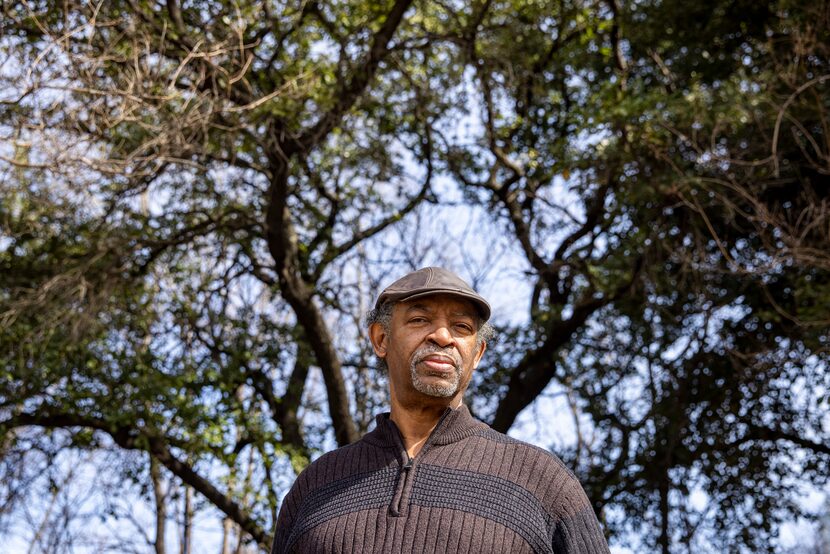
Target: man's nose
441,336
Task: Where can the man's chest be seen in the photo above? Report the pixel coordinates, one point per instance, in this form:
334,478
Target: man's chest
423,508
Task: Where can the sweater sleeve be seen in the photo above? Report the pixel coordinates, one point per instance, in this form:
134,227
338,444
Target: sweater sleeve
577,529
283,529
579,534
288,513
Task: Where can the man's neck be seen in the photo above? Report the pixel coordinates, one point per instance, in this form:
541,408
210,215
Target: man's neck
416,423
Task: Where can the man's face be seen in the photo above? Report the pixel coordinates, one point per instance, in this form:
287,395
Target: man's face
430,347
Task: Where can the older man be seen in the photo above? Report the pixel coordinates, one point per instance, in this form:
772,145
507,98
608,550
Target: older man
430,478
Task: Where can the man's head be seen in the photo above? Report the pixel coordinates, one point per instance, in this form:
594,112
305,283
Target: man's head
430,329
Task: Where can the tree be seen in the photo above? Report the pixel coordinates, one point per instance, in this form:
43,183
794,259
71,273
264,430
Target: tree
202,198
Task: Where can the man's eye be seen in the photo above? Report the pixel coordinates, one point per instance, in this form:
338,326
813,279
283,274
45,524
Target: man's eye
465,327
418,320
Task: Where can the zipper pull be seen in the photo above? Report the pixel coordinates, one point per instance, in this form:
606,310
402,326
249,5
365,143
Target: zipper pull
398,501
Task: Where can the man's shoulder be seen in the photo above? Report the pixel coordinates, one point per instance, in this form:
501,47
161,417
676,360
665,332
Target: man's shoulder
543,474
333,456
338,463
538,470
528,450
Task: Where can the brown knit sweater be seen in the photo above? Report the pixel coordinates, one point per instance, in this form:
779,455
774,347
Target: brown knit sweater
469,489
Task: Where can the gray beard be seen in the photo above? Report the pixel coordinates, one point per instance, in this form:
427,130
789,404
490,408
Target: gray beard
446,389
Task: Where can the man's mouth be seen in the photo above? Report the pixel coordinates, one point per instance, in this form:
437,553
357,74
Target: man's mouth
438,364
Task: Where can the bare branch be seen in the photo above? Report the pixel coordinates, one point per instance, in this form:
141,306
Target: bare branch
811,83
135,438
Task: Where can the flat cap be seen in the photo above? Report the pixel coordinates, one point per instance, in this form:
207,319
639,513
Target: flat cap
432,280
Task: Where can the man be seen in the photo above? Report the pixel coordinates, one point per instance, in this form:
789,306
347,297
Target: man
430,478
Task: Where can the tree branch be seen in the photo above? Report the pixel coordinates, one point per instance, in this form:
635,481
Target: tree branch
533,373
285,409
359,236
769,434
135,438
348,94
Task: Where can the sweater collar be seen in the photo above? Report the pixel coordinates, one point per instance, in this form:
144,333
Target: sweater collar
453,426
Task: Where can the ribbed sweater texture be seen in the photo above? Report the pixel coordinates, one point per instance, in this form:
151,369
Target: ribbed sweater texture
469,490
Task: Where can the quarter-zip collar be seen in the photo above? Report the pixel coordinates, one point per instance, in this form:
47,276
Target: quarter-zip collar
399,506
398,437
452,426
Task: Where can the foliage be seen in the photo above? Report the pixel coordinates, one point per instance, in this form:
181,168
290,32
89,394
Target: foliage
201,199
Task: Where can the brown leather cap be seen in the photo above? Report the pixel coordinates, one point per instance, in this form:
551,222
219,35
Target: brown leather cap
432,280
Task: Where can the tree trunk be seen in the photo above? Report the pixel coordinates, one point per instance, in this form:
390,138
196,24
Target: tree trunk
283,245
664,514
160,498
227,527
188,520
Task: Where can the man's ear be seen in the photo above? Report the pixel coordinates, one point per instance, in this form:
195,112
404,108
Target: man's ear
378,336
479,354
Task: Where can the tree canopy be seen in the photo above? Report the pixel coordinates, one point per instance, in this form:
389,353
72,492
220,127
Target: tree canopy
200,200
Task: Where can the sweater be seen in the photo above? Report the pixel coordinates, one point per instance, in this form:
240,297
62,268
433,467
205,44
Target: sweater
469,490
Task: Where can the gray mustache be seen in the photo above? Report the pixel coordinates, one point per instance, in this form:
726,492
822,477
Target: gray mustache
428,349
